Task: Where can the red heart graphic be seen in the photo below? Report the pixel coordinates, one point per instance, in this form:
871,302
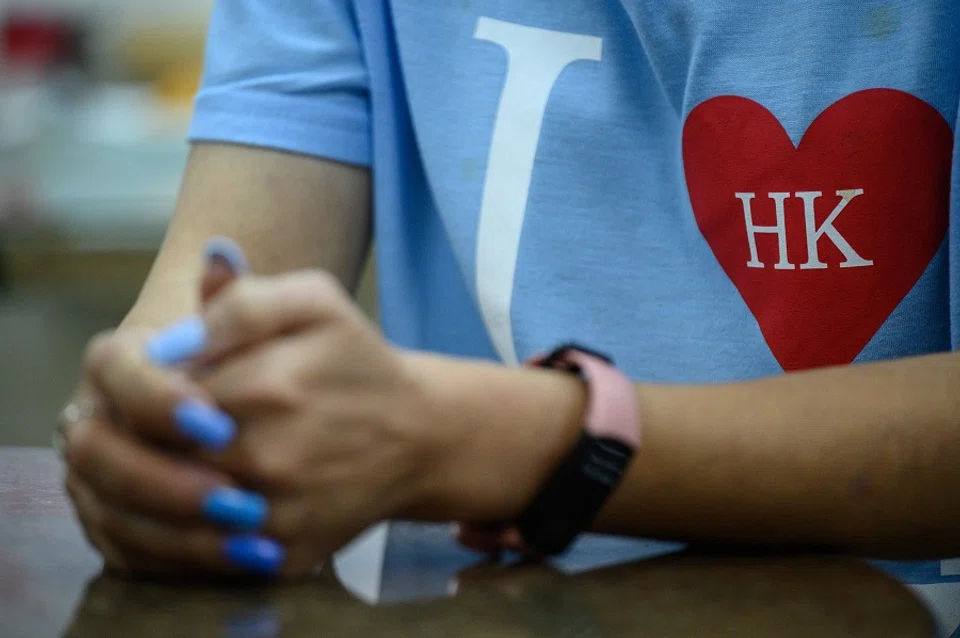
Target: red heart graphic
826,270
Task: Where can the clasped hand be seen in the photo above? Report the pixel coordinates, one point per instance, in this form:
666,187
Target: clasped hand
258,437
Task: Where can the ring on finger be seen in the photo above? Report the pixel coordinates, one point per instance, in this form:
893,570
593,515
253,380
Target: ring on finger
75,412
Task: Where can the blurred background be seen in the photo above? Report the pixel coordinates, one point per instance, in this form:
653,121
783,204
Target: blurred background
95,100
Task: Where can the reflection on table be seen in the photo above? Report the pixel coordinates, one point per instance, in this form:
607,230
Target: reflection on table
412,580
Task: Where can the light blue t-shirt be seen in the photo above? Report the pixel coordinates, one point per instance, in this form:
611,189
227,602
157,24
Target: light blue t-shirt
708,190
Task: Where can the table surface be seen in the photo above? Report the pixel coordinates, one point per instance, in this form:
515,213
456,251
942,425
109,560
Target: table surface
422,584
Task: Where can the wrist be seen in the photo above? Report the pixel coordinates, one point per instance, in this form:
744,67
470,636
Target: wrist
492,436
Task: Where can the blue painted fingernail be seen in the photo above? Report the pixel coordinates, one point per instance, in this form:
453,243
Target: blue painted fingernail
236,508
229,251
205,424
255,553
178,343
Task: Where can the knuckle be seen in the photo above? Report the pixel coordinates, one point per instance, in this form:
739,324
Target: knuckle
274,469
320,284
274,392
112,358
240,305
100,349
265,392
320,291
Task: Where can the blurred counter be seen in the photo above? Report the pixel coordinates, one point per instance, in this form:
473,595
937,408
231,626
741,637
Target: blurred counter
85,218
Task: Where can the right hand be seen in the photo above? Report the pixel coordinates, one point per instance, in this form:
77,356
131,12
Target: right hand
145,504
86,404
118,483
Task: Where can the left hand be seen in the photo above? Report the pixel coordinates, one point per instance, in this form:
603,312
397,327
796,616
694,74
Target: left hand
329,426
334,428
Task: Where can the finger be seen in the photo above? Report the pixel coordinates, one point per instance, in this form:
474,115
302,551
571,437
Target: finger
88,512
136,476
205,549
149,545
135,543
262,381
141,478
116,559
162,543
162,405
225,261
253,309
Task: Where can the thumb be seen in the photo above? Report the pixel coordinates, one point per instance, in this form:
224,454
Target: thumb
224,261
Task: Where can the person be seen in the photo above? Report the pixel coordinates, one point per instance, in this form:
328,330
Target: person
751,209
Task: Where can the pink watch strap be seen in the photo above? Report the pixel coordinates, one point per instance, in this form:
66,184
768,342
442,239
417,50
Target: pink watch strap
612,410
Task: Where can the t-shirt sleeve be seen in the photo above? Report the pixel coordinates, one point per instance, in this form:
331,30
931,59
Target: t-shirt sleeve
286,74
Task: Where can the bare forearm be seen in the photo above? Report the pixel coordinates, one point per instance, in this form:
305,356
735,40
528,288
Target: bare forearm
860,458
287,211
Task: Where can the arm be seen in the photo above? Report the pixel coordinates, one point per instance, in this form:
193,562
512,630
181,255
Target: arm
859,458
291,212
339,430
287,75
288,211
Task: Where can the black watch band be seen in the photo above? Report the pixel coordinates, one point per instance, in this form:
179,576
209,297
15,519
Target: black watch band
570,500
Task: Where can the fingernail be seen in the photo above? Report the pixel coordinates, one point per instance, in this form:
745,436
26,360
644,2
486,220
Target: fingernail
255,553
205,424
226,250
178,343
236,508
